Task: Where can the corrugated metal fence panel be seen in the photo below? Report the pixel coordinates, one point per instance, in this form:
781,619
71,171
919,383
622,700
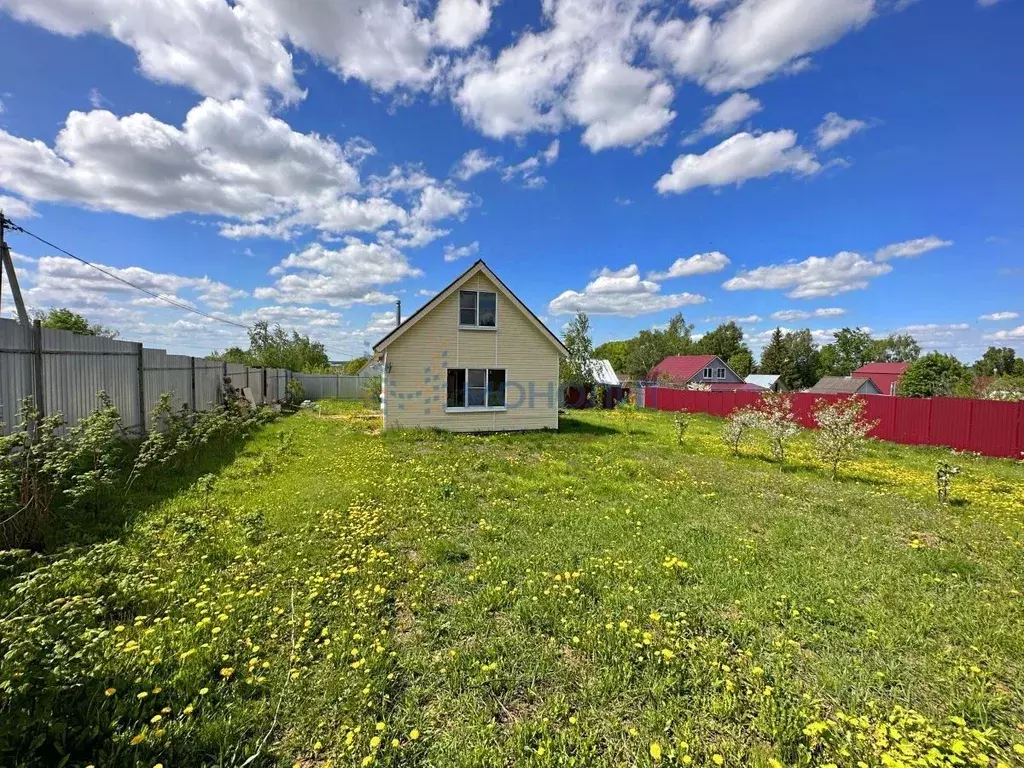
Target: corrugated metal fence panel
994,428
16,371
984,426
76,368
166,374
321,386
954,426
209,375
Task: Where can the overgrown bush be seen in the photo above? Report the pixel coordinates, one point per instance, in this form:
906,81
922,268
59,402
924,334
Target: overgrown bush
44,472
373,389
841,430
294,392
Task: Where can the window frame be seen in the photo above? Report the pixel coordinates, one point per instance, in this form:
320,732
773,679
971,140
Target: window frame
709,372
486,407
475,326
720,373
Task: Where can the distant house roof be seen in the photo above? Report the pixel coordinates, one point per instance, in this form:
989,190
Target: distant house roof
885,375
763,380
371,368
604,373
682,368
839,385
736,386
897,369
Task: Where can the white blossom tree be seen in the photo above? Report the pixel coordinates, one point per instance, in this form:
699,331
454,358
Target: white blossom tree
841,430
740,422
777,420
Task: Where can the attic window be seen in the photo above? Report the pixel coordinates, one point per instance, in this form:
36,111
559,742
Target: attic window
478,309
721,373
707,373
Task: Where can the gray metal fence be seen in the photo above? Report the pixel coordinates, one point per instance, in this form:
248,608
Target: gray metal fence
63,372
321,386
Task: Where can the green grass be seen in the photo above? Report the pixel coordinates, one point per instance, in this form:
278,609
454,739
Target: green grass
587,597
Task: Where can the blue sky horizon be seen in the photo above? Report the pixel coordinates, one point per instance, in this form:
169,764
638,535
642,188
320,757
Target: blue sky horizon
793,163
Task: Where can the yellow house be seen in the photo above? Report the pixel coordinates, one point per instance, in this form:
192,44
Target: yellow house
472,359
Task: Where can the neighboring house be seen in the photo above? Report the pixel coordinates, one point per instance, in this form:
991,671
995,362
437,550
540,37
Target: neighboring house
840,385
885,375
371,368
681,370
603,373
767,381
472,359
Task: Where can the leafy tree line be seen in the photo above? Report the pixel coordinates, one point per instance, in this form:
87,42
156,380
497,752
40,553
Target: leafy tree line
800,362
275,348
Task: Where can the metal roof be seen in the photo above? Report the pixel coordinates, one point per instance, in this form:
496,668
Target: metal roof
766,380
840,385
603,373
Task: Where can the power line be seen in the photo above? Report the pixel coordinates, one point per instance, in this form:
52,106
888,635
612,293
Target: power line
15,228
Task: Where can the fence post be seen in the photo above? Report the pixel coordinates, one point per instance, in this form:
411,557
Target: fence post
264,369
142,386
37,380
192,393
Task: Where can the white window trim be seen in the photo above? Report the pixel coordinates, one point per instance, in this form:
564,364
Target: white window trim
477,327
487,393
720,373
708,373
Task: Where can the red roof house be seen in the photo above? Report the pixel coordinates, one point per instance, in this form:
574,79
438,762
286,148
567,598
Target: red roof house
885,375
681,370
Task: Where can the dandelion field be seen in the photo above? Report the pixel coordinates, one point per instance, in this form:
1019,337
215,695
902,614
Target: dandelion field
328,595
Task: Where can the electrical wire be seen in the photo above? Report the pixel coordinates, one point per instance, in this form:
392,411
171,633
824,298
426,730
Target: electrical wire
16,228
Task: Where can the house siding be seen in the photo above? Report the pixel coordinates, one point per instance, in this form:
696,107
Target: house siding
416,382
730,377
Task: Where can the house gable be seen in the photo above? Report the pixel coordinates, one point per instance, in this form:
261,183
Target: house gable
479,268
686,369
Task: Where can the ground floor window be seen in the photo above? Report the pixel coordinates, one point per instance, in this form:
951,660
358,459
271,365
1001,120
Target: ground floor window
476,388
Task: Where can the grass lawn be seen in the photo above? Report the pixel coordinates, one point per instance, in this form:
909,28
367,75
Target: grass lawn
333,596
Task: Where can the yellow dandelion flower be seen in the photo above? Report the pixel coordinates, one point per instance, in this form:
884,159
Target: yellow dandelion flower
655,750
155,719
203,691
414,734
227,672
717,759
110,691
138,739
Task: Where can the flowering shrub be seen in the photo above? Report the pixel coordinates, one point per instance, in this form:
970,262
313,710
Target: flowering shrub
740,423
841,430
776,419
944,474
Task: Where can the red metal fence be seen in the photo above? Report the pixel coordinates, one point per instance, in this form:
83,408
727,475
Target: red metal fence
987,427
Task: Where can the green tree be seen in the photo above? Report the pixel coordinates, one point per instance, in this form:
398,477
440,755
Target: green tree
64,319
793,357
999,361
576,368
742,363
725,341
852,348
650,347
615,352
897,348
936,375
275,348
352,367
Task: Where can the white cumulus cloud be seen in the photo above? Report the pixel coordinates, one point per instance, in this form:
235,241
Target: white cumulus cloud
738,159
727,115
698,264
997,316
835,129
620,292
812,278
910,249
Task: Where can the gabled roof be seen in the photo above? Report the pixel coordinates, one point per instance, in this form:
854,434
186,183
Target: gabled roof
840,385
681,367
447,291
603,373
764,380
892,369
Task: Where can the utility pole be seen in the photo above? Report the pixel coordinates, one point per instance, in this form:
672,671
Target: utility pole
8,265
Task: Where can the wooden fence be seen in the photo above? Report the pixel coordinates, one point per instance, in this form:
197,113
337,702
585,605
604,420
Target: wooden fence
987,427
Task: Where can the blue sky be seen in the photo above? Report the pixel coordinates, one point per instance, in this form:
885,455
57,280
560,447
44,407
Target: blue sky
806,163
